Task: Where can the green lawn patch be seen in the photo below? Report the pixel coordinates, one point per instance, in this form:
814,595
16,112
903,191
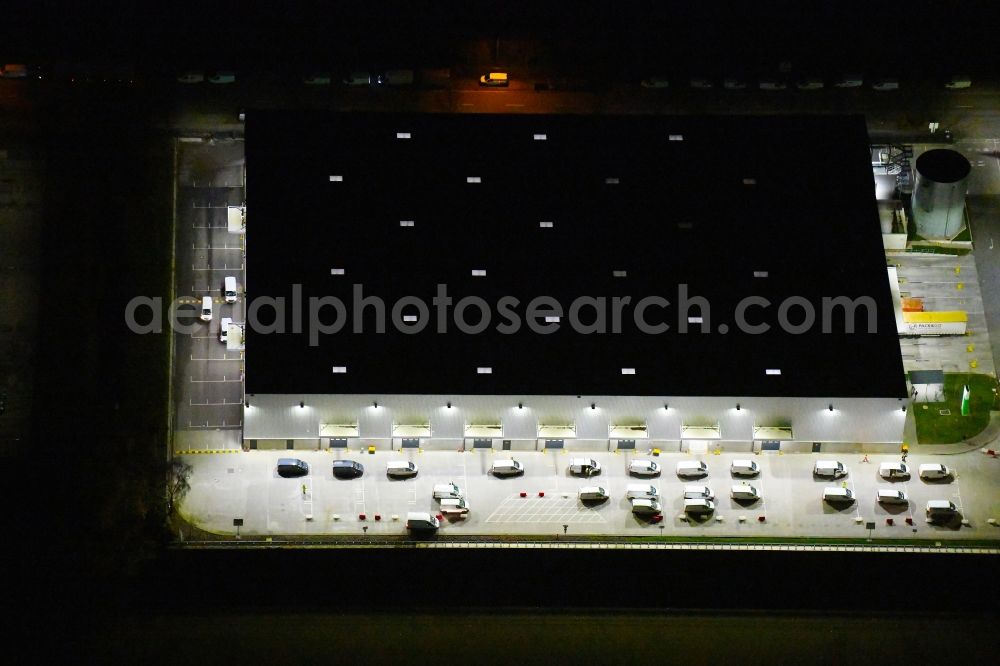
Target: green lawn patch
936,428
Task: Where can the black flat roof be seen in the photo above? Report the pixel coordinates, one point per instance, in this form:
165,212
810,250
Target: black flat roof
632,206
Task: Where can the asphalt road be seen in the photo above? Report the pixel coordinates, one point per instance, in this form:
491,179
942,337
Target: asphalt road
207,388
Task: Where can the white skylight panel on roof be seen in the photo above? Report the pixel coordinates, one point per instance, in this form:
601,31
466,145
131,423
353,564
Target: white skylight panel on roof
540,137
676,137
611,181
628,371
773,371
473,179
336,271
336,179
339,369
478,272
406,223
760,274
546,224
619,273
402,135
484,371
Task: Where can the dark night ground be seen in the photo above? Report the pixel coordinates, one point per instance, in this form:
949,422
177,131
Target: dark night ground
89,540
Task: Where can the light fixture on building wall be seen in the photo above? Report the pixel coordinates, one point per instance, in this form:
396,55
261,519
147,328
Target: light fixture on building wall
246,403
593,405
904,408
375,404
737,406
520,405
666,406
302,404
831,407
449,404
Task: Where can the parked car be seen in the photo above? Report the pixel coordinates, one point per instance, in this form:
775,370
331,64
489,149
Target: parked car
421,521
347,469
448,490
890,496
849,81
655,82
400,468
894,470
290,467
742,467
584,466
494,79
771,84
838,495
696,492
14,71
809,83
744,493
224,328
222,77
732,83
593,493
206,308
191,77
699,506
644,468
358,79
831,468
958,82
454,506
691,468
885,84
700,83
506,467
934,471
941,509
645,506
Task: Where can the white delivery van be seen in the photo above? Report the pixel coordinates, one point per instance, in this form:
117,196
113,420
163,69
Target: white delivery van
506,467
593,493
744,493
447,491
702,505
838,494
585,466
637,490
229,289
890,496
457,507
421,520
744,468
894,470
831,468
698,492
940,508
691,468
206,308
400,468
934,471
224,324
645,506
643,468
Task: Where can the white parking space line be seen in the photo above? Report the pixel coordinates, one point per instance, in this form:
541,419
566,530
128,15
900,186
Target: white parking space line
227,267
307,497
359,500
210,247
216,381
214,359
192,403
209,226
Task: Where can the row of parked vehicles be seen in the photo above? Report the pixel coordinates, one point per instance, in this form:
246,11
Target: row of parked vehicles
805,83
891,470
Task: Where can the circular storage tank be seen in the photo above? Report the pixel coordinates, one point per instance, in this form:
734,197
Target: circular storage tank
939,195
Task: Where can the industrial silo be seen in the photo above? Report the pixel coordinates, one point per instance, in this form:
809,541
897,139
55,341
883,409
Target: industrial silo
939,195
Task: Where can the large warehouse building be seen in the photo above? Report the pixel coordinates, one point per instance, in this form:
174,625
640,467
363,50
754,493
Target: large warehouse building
587,282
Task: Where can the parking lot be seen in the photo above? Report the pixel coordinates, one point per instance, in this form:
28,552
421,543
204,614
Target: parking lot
246,485
207,381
